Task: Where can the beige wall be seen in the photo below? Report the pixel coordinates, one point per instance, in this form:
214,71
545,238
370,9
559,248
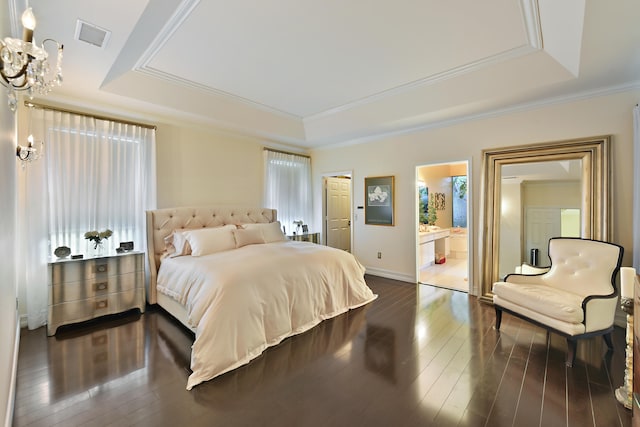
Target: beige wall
556,194
399,156
198,167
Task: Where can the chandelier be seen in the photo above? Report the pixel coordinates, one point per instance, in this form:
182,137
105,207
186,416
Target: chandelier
25,66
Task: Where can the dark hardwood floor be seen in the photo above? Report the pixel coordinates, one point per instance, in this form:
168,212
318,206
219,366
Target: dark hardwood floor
417,356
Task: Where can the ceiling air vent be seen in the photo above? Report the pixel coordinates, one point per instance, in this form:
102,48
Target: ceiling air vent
92,34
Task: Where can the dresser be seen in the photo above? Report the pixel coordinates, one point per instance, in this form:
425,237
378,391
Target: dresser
83,289
306,237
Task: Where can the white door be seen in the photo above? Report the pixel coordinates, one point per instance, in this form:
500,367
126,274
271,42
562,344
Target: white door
541,224
338,196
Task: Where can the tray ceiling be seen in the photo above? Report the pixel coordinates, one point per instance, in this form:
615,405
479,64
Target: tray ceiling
316,73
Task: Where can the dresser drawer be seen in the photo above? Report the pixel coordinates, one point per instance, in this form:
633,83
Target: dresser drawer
96,286
80,310
80,270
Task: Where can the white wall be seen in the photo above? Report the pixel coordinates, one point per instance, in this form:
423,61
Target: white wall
399,156
9,336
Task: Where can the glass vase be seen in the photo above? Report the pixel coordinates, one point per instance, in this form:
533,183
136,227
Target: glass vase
96,249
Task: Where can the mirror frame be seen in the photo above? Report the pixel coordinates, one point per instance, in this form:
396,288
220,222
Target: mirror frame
595,155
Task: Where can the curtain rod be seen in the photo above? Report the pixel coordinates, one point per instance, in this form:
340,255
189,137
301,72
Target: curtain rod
286,152
80,113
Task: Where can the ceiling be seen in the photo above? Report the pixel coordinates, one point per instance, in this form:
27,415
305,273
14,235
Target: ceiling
309,74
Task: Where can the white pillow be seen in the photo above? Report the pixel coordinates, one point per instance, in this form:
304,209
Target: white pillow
205,241
246,237
271,231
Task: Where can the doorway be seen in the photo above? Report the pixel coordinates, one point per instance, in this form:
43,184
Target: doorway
443,225
336,211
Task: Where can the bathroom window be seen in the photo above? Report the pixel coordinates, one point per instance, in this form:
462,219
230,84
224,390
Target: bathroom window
459,202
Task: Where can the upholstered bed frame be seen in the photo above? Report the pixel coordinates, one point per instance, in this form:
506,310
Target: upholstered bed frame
162,222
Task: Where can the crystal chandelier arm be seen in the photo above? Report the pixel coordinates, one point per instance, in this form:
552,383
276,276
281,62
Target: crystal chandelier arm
23,153
10,79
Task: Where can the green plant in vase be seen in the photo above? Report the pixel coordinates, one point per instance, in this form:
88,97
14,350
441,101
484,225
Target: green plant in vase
423,216
432,215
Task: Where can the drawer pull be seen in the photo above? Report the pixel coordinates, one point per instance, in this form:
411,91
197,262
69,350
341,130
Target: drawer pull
101,268
102,304
99,340
102,286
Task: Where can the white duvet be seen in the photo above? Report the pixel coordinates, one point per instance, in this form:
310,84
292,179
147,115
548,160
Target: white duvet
244,300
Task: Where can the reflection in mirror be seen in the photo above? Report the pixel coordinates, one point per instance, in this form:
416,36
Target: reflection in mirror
538,191
539,200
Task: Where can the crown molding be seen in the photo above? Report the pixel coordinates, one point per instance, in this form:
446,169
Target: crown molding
518,108
430,80
171,78
531,18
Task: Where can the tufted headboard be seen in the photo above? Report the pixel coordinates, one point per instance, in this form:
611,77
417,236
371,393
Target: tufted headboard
162,222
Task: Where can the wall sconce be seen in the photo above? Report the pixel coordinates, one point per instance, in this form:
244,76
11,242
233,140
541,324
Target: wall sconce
24,65
30,153
33,151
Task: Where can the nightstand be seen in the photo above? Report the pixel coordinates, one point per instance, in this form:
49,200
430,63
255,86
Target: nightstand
83,289
306,237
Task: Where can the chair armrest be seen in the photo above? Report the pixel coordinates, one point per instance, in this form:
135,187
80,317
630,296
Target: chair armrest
526,268
599,311
525,278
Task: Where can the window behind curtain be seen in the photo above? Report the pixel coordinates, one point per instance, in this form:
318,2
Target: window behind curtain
288,188
100,175
459,200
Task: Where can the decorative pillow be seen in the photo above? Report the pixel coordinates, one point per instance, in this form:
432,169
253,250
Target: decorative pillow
176,245
271,231
205,241
248,237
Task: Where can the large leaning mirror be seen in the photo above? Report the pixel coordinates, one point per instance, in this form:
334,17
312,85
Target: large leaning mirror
534,192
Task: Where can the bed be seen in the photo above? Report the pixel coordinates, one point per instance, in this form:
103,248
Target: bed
231,276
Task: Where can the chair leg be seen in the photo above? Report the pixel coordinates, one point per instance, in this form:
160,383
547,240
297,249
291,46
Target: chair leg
607,339
498,317
571,352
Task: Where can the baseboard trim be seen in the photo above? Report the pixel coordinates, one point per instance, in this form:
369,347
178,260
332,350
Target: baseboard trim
8,421
387,274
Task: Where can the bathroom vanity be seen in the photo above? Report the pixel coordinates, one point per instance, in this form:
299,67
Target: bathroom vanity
432,243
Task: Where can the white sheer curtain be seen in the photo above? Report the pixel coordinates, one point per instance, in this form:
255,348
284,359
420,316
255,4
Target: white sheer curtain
636,188
287,188
96,175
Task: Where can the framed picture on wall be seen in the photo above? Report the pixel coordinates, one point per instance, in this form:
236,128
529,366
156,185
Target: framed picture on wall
379,204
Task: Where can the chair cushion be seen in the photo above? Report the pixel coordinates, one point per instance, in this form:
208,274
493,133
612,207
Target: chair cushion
552,302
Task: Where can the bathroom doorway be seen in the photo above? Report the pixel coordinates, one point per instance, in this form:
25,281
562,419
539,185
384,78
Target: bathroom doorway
442,226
